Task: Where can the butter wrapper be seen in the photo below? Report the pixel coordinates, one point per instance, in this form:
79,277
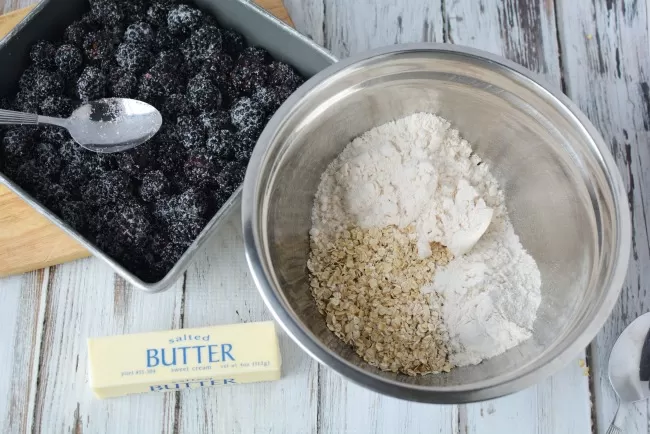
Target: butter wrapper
184,359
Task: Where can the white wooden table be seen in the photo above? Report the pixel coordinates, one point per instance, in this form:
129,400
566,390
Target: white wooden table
596,51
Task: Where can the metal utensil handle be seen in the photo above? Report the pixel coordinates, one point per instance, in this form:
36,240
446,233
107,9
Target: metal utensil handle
8,117
617,423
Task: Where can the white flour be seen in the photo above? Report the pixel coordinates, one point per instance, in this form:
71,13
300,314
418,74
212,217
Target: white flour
418,171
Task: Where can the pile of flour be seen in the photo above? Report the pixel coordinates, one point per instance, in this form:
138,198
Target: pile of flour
418,171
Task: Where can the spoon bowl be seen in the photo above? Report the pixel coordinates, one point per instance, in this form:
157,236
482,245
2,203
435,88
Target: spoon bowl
624,369
106,125
114,124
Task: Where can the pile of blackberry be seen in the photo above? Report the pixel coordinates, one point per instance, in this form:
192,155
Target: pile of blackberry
144,207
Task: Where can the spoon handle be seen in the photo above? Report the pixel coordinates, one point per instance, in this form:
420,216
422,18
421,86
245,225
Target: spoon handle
8,117
617,423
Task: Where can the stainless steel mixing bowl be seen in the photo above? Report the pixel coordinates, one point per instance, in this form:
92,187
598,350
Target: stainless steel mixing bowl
564,193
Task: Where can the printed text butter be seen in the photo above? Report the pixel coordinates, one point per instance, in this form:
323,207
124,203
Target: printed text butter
184,359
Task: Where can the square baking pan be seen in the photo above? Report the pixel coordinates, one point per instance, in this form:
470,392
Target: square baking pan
49,19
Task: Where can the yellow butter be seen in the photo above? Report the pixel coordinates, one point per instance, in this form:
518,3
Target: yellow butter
184,359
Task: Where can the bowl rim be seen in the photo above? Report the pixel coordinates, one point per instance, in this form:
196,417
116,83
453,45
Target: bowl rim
485,389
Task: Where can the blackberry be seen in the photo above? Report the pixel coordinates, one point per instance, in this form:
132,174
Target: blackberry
41,83
185,232
200,169
123,83
269,98
175,105
233,42
136,161
75,33
100,162
98,46
106,188
131,224
17,146
243,151
27,175
248,117
230,177
132,56
68,58
204,43
229,91
140,33
107,243
106,11
202,93
90,21
75,214
169,61
154,186
222,145
254,55
247,77
27,102
115,34
180,208
53,196
91,84
70,151
165,40
168,158
214,121
58,106
190,132
155,84
135,10
182,19
47,159
42,54
171,253
55,135
235,172
74,176
157,14
281,74
218,65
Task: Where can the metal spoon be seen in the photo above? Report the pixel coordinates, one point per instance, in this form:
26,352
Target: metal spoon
625,362
106,125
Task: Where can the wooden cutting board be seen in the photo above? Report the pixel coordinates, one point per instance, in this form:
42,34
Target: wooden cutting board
28,241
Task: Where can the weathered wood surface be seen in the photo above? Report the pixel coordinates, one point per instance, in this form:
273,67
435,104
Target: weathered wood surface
606,60
600,59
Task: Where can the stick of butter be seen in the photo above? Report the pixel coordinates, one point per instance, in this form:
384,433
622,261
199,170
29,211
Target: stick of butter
184,359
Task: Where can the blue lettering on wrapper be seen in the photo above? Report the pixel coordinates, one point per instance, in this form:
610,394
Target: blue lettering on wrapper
152,354
198,353
162,356
226,352
212,353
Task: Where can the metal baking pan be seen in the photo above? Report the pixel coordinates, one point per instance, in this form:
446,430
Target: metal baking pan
49,19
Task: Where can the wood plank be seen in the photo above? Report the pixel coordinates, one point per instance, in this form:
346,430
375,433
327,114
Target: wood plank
22,308
28,241
349,27
559,404
524,32
220,290
86,299
348,408
8,6
605,57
